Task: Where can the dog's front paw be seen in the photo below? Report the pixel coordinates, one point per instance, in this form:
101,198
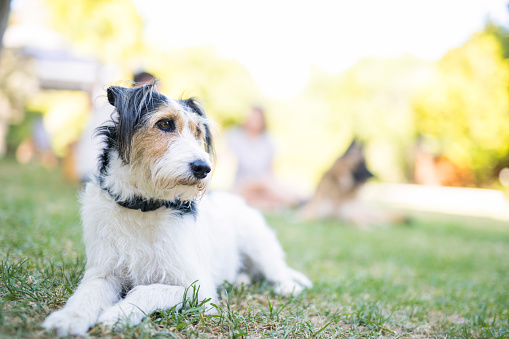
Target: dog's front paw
67,323
288,288
117,316
293,285
300,278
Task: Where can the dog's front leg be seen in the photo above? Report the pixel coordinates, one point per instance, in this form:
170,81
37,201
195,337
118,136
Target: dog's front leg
83,307
140,302
260,245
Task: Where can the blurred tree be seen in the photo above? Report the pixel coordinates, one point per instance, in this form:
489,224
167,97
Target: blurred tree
465,111
17,84
502,35
109,29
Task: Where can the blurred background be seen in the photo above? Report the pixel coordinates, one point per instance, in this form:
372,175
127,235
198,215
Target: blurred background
423,85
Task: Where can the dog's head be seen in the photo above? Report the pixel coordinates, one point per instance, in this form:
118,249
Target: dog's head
350,169
165,144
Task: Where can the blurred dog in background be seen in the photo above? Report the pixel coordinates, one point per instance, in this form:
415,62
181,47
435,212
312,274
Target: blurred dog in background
337,193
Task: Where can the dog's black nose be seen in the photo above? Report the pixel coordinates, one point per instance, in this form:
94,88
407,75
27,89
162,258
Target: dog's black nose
200,169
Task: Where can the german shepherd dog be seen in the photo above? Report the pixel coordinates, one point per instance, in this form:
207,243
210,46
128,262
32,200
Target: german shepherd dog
337,193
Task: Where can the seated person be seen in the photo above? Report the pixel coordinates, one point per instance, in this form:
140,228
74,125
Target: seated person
254,152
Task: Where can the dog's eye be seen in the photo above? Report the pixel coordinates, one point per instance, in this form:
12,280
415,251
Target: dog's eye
166,125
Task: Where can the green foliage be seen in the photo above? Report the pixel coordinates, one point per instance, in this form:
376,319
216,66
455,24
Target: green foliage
502,35
108,29
466,108
23,130
17,84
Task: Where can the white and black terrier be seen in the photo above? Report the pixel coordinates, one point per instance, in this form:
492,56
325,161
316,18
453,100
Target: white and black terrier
149,228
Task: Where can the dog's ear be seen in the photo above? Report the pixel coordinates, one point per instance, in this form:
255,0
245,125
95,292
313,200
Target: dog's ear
115,94
360,171
355,146
208,140
195,105
123,99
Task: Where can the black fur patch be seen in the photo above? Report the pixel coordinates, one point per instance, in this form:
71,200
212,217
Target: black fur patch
195,105
361,173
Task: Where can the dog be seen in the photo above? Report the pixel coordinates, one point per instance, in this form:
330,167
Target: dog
336,195
150,230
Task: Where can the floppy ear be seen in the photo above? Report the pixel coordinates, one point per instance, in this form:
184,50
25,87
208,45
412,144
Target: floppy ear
195,105
122,99
208,140
115,93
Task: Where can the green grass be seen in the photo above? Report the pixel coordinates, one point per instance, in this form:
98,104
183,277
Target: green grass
435,277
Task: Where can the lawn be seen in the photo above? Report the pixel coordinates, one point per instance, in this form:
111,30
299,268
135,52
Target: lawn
435,277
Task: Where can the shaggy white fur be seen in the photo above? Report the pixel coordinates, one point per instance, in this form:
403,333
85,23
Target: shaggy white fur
155,255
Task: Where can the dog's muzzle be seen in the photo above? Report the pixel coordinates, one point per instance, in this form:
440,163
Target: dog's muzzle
200,169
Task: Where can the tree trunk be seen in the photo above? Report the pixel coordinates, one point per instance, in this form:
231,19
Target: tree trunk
5,6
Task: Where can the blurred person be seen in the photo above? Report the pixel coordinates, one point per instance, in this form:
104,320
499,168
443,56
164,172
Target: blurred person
433,168
37,146
42,144
89,148
254,152
142,78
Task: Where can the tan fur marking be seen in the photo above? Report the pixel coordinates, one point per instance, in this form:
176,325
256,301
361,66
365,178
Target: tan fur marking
196,129
150,142
168,113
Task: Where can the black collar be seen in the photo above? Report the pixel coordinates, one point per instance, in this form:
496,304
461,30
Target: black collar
147,205
139,203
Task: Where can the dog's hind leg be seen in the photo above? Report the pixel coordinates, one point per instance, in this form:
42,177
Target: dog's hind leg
140,302
83,307
259,243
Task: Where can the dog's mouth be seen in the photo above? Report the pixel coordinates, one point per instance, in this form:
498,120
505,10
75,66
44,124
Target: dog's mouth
200,184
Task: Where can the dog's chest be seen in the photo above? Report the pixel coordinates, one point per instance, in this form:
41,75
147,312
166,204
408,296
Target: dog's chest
157,248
